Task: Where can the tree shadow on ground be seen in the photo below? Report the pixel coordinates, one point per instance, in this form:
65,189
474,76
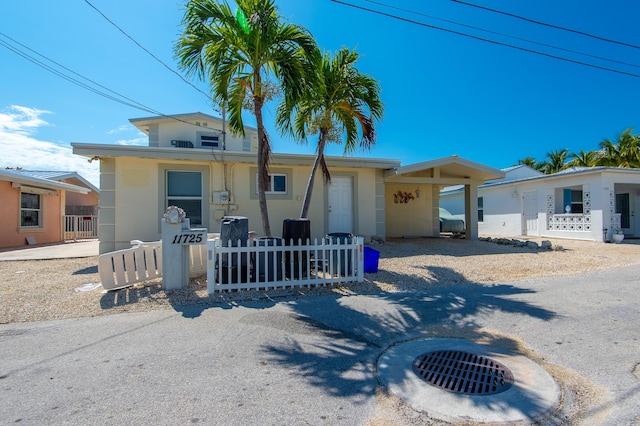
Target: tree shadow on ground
356,329
190,301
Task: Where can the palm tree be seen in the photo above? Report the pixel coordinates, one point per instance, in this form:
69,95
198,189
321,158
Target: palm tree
583,159
623,152
339,101
556,161
237,53
531,162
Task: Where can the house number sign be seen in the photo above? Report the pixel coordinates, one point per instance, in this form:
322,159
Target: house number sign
191,238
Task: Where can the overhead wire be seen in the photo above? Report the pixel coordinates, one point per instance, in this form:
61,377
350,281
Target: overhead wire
622,43
501,34
524,49
146,50
117,97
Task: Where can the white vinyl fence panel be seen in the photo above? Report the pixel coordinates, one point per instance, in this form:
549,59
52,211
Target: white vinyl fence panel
269,267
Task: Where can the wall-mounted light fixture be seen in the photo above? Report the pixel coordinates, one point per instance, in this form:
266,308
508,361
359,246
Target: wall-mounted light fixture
514,194
418,192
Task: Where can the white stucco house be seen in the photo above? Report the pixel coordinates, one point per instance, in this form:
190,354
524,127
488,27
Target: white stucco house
188,163
586,203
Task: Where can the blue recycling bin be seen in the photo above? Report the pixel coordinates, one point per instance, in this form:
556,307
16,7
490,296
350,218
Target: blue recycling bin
371,258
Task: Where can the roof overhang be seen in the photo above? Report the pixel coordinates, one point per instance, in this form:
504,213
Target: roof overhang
143,123
96,151
39,185
451,170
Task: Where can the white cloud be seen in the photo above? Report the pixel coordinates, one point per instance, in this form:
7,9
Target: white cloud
122,128
21,149
142,139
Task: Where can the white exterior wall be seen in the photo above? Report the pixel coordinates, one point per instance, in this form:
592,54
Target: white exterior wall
177,130
504,210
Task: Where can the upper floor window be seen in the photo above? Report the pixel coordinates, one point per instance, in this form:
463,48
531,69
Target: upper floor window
210,141
30,210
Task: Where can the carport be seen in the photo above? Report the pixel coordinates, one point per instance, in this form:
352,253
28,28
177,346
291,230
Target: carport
412,195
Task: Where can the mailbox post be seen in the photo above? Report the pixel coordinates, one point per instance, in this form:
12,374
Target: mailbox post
177,236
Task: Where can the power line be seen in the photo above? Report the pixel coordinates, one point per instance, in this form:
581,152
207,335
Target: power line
146,50
124,100
502,34
622,43
486,40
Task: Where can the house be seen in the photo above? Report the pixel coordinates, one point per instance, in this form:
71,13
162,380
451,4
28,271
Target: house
35,205
585,203
190,162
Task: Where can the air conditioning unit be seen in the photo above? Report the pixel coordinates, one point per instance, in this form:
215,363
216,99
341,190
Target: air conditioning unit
182,144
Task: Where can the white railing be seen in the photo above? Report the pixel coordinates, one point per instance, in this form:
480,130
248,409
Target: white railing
570,222
256,267
143,262
78,227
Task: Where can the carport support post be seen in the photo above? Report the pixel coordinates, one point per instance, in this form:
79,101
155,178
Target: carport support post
471,211
175,257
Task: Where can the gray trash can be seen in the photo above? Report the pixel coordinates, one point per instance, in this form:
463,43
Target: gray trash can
234,266
268,265
341,262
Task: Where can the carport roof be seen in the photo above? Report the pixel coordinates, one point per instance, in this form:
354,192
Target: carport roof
451,170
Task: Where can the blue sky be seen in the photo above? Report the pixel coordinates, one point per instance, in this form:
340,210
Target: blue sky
444,93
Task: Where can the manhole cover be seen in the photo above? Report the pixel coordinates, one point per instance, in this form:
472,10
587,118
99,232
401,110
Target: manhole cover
463,372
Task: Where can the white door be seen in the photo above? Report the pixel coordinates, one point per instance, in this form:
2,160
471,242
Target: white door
341,204
529,214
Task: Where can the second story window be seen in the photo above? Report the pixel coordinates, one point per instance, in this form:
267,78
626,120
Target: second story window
210,141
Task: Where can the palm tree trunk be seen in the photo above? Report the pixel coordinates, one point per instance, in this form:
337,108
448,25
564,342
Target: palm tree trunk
263,166
312,176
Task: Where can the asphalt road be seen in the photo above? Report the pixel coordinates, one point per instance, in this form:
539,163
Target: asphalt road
313,360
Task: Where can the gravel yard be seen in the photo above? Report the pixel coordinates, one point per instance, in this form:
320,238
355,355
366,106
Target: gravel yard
40,290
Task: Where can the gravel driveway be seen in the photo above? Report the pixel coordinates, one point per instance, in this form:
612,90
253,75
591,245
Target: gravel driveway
41,290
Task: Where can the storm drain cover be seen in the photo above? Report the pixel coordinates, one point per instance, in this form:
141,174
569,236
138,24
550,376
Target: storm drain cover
463,372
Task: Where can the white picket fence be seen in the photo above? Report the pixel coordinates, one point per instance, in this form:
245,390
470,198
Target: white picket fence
78,227
250,267
143,262
268,267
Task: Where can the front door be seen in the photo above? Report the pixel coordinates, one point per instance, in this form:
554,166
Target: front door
341,204
623,207
529,214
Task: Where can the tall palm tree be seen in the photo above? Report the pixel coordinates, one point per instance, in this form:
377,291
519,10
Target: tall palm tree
624,151
556,161
236,53
583,159
339,101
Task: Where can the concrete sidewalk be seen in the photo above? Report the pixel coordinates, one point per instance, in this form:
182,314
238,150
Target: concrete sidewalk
51,251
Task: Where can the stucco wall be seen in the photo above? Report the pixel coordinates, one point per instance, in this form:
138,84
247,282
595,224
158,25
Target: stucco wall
412,218
11,235
133,197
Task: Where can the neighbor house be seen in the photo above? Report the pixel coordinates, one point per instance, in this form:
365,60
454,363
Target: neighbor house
37,205
190,162
587,203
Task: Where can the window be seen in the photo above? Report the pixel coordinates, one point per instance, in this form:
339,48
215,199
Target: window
277,184
573,199
210,141
480,209
184,189
30,210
